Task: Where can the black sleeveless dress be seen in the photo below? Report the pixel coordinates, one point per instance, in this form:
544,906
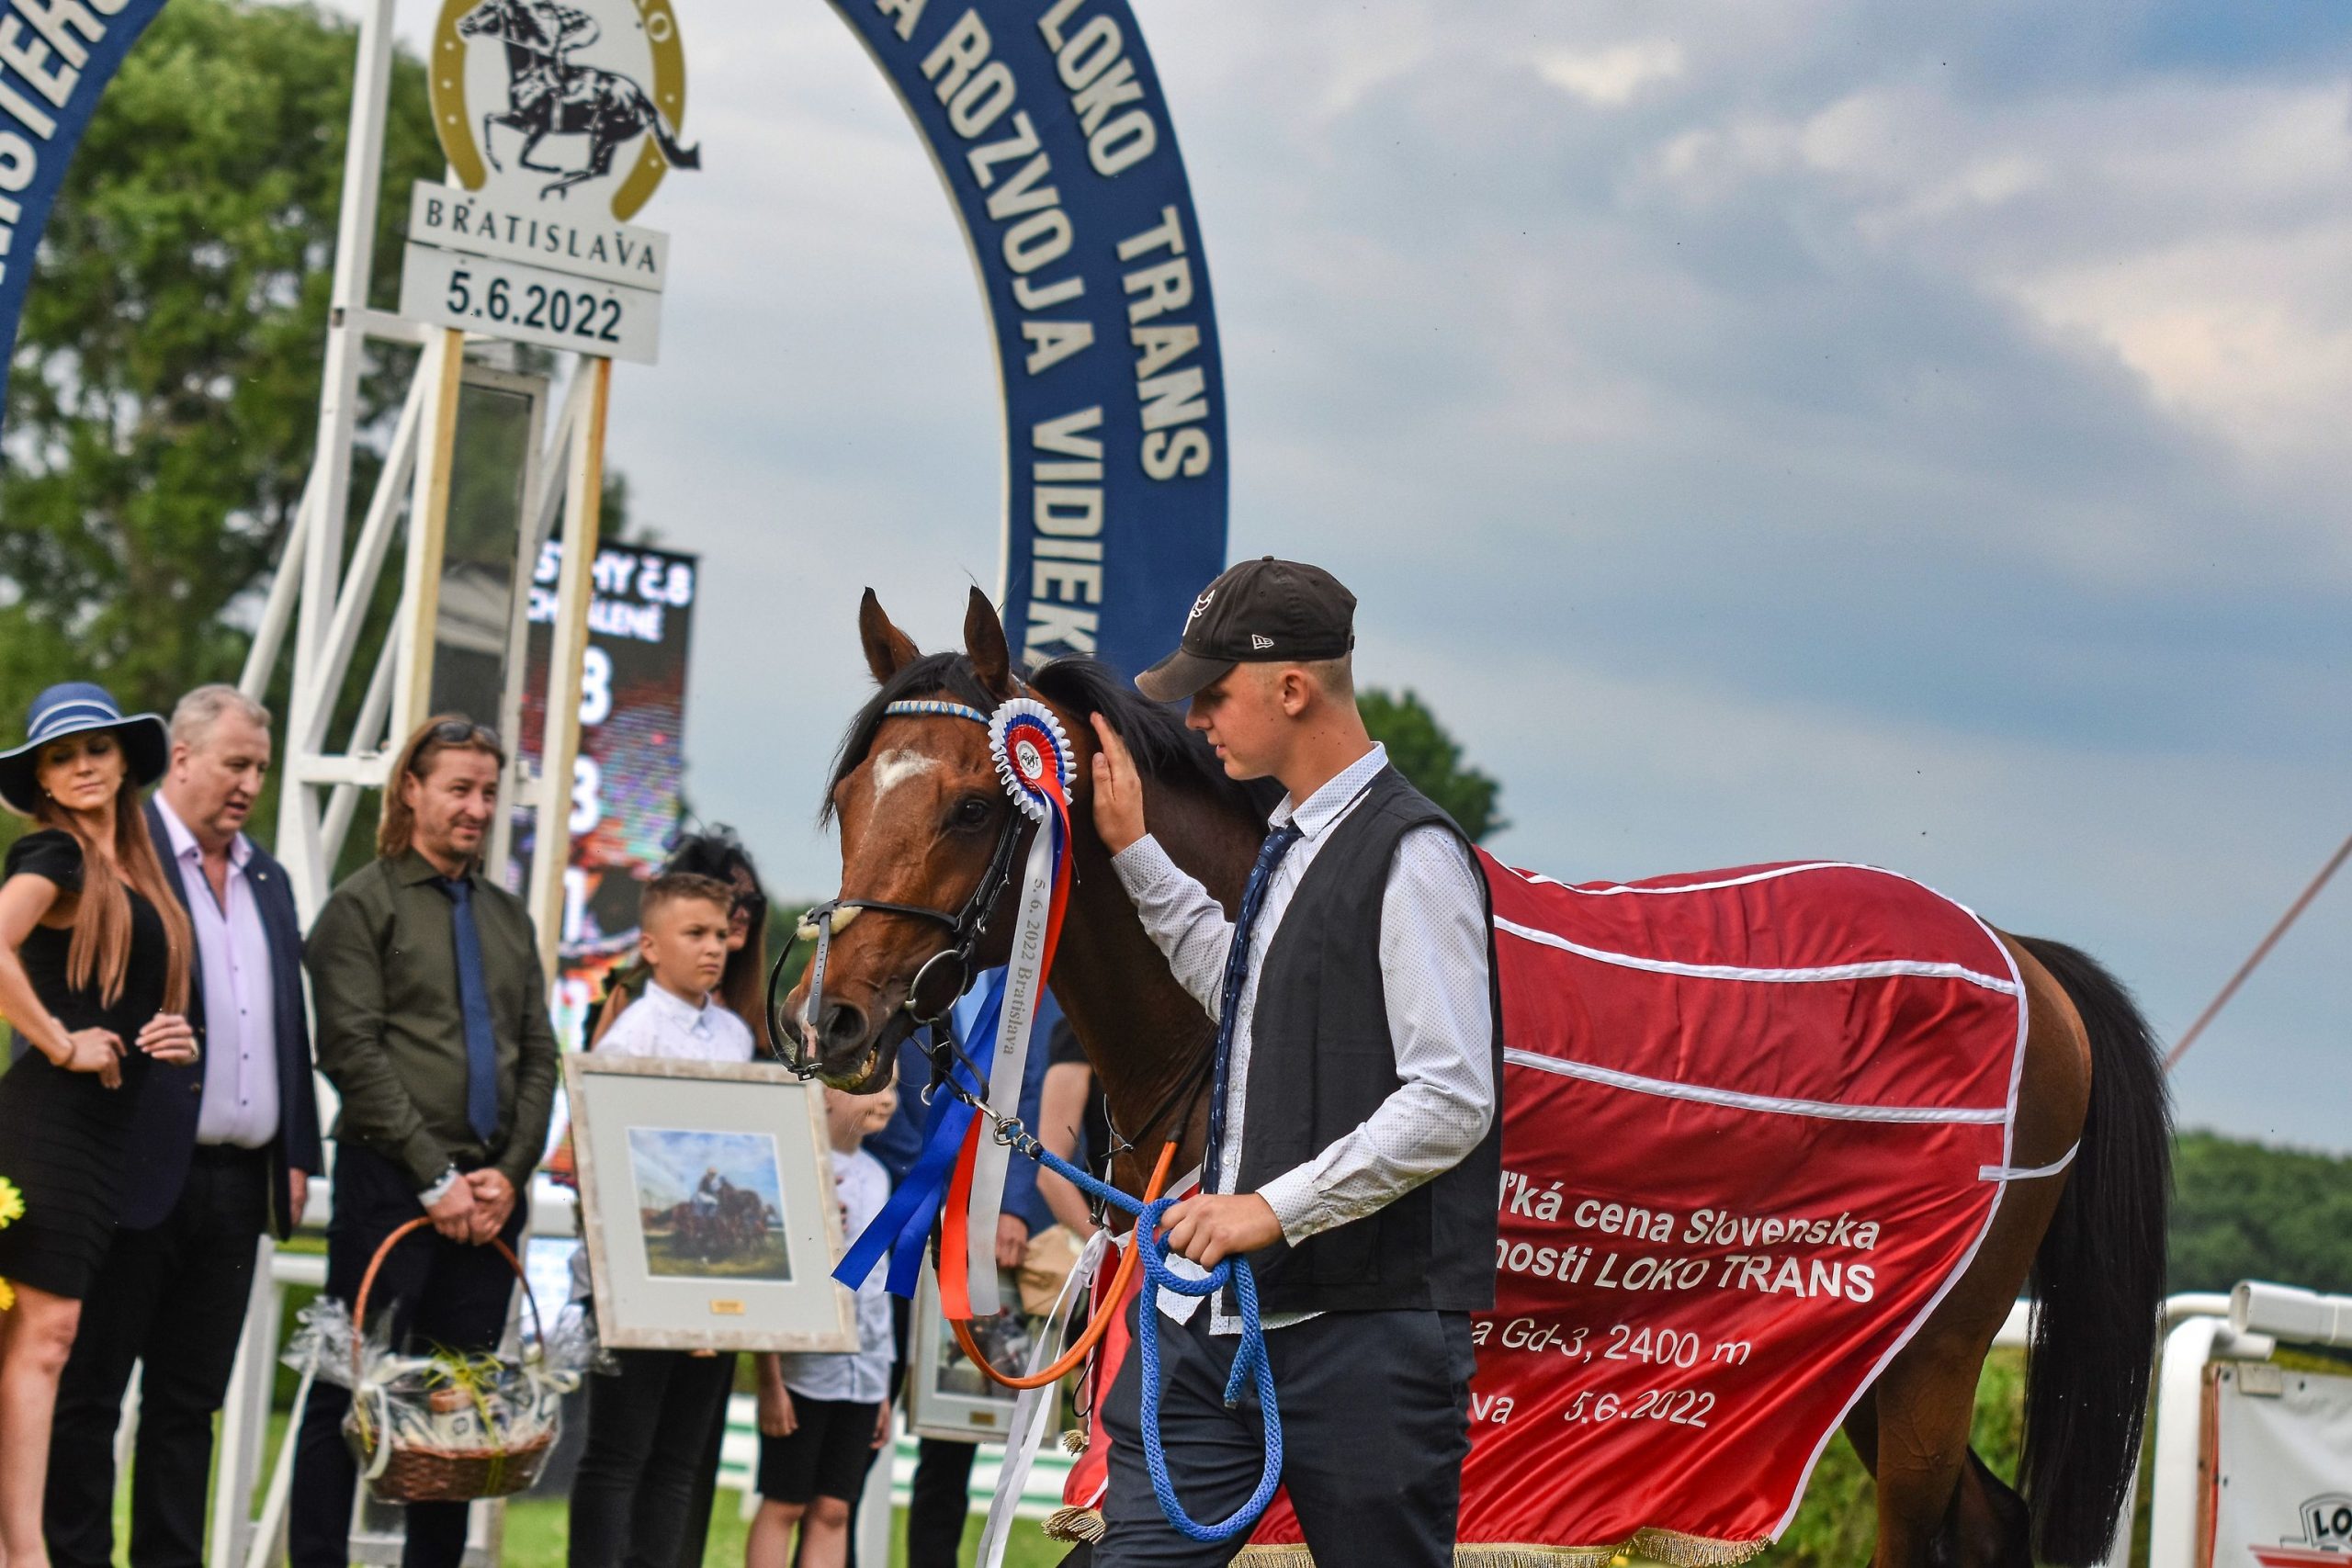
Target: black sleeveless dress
62,1135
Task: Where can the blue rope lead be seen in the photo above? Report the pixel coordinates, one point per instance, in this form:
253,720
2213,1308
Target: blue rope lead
1250,1361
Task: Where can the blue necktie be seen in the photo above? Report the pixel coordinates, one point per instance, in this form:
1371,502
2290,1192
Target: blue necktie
473,1000
1237,970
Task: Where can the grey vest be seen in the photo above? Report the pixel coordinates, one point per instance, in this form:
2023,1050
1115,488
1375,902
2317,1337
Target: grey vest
1321,1061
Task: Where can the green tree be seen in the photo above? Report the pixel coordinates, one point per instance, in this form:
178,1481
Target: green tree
163,402
1432,760
2242,1211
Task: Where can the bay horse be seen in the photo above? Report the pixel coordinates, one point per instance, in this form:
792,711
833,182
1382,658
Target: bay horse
548,96
920,808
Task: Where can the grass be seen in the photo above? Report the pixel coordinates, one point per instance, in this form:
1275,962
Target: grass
665,1255
539,1533
536,1535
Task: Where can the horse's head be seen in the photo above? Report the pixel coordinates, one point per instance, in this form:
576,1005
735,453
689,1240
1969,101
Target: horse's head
490,17
930,845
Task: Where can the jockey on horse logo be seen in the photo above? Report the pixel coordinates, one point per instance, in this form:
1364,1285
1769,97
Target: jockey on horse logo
546,95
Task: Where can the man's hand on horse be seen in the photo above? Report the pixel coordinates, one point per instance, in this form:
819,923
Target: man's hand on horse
1118,790
1217,1227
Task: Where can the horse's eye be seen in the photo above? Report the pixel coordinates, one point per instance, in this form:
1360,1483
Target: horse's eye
971,811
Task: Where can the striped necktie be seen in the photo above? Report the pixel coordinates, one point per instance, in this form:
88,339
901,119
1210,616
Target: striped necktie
1237,971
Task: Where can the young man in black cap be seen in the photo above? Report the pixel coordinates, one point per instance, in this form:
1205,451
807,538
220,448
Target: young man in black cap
1354,1151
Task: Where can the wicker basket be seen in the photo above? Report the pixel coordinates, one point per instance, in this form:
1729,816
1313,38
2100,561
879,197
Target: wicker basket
414,1473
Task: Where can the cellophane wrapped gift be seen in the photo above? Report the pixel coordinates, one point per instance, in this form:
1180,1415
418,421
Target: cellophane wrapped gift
444,1425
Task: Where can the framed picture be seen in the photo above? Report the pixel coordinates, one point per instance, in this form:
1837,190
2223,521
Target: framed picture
947,1398
707,1193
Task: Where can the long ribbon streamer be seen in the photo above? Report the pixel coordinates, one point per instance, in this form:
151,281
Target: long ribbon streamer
1033,1411
1033,761
905,1222
1042,895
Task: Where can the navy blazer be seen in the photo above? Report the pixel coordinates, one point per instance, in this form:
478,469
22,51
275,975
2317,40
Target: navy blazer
163,1134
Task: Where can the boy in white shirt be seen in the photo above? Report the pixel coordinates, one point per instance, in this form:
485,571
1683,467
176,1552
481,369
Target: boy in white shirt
649,1423
822,1417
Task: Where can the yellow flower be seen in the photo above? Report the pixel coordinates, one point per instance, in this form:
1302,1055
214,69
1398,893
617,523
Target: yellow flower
7,1296
12,1202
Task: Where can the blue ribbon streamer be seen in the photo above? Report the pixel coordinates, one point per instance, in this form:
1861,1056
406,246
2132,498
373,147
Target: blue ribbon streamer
903,1228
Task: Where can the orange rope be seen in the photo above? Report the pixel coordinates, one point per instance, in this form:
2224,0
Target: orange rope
1094,1329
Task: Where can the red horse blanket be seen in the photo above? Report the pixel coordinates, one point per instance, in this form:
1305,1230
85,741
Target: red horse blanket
1755,1124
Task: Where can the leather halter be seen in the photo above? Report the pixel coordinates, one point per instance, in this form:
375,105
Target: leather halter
950,968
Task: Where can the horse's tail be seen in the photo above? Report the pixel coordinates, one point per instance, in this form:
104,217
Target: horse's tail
2099,1279
676,156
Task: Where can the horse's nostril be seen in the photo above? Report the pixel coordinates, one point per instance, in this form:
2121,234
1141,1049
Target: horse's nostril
845,1026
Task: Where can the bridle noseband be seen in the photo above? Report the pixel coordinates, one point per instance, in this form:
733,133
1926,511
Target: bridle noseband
945,975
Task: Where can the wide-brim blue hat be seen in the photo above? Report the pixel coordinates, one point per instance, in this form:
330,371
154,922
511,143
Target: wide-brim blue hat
72,708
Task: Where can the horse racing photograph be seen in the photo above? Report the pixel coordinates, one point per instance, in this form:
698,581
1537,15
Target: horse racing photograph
1103,784
711,1205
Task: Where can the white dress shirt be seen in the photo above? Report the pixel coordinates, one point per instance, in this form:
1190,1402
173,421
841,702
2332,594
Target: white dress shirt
661,1023
1434,972
239,1104
861,1376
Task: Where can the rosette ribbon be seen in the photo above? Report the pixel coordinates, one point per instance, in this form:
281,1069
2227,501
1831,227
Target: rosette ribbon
1032,760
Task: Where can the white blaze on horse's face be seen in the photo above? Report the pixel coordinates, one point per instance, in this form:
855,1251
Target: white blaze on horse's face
892,769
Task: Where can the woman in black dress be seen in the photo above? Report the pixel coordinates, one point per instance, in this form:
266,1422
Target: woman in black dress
93,958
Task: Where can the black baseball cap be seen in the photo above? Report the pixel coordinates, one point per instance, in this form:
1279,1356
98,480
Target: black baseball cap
1262,611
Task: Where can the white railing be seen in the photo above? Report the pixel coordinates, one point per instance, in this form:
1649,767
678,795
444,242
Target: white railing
2199,1329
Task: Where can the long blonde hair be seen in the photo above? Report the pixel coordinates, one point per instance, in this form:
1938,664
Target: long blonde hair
100,951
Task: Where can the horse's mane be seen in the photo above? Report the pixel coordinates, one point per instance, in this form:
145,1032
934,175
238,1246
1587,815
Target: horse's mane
1165,750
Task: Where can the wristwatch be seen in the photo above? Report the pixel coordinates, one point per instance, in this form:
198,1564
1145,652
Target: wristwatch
440,1188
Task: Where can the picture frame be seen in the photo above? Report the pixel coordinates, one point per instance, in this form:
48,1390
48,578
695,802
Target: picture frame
739,1257
947,1396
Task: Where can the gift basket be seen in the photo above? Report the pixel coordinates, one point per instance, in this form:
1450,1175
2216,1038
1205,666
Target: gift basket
447,1426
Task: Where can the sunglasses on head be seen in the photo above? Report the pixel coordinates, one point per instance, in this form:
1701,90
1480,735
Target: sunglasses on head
463,731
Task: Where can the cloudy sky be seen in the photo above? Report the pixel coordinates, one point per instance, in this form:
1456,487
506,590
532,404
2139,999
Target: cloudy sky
1808,428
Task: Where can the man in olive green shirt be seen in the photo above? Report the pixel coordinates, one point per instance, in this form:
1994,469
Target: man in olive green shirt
432,1024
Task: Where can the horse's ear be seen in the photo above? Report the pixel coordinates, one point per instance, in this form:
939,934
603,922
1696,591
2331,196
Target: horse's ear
887,650
984,641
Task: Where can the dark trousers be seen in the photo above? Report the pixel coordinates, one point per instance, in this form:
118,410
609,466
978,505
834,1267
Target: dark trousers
939,1502
696,1539
648,1425
172,1299
437,1291
1375,1422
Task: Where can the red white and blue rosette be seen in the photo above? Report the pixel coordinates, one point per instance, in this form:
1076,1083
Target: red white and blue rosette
1032,758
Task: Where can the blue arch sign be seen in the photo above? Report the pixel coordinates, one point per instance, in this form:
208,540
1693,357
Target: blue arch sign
56,58
1046,123
1045,120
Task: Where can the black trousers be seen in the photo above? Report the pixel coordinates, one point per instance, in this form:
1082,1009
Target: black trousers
939,1502
1375,1409
648,1425
172,1299
705,1487
437,1291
